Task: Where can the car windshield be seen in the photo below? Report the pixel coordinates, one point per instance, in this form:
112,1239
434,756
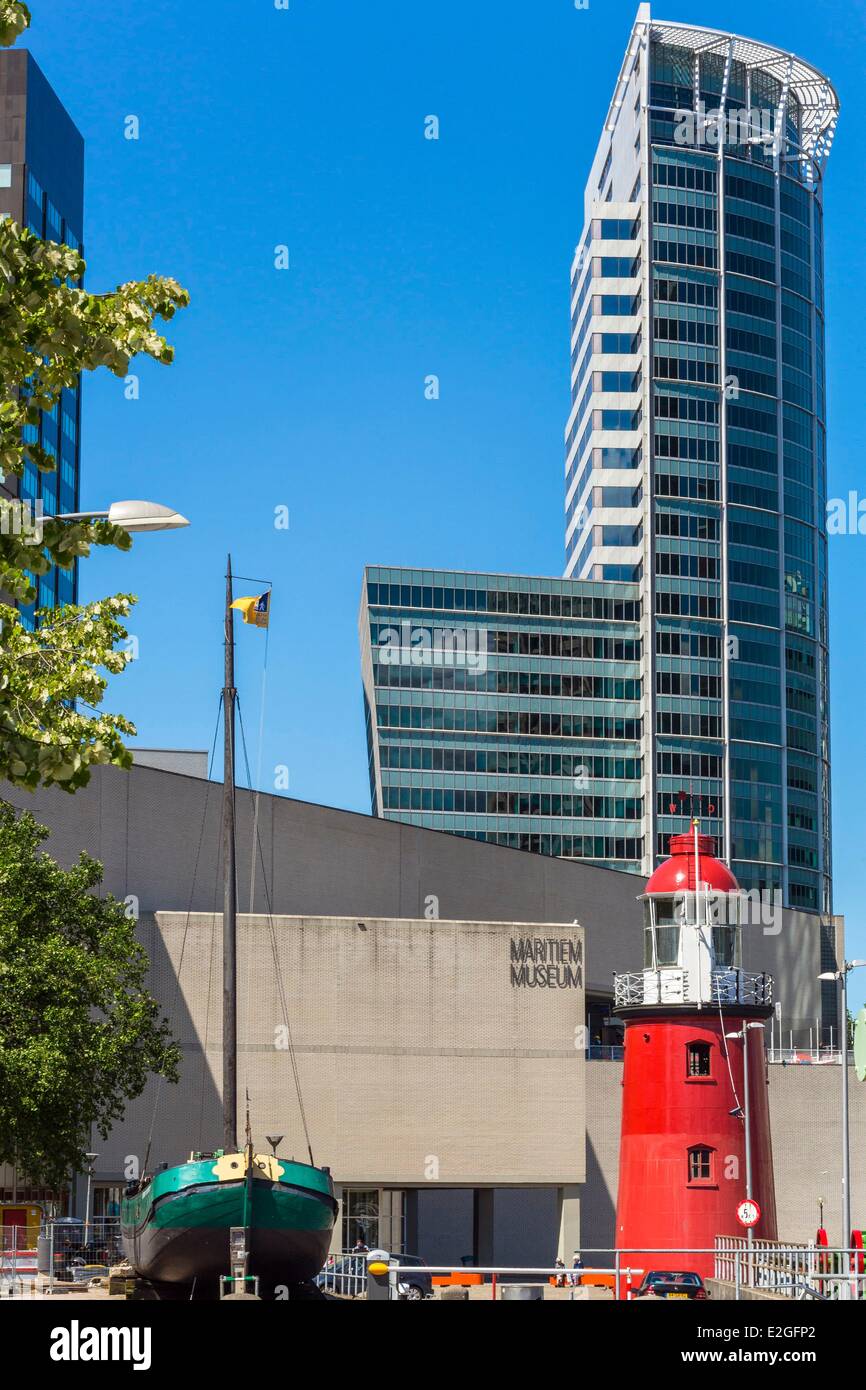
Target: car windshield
672,1277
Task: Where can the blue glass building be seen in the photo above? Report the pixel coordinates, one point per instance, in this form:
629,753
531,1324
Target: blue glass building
696,443
695,508
42,187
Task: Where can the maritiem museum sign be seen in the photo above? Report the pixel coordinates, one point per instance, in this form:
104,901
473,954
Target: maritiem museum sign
546,963
429,1051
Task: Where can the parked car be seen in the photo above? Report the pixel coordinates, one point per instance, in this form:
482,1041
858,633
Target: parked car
415,1283
666,1283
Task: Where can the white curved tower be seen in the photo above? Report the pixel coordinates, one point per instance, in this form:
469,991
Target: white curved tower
696,441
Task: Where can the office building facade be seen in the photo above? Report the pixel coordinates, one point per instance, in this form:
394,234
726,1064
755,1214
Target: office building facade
696,445
42,188
507,709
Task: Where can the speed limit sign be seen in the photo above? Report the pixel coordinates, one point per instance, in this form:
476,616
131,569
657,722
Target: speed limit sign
748,1212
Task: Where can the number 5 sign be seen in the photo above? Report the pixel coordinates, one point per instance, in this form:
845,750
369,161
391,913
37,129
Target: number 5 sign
748,1212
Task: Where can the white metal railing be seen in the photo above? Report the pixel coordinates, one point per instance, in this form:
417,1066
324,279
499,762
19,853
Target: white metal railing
672,985
344,1274
628,988
624,1270
741,987
665,986
805,1056
793,1271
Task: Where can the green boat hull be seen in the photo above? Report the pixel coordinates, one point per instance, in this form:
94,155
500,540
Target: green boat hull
176,1228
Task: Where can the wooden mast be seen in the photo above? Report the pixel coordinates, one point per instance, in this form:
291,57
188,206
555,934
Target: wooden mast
230,892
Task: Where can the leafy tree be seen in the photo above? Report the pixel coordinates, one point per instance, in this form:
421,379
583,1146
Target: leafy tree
14,19
46,677
52,330
79,1032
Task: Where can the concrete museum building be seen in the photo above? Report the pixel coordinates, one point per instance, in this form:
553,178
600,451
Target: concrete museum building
448,1006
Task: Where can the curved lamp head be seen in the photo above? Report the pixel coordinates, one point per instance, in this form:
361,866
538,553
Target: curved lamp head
145,516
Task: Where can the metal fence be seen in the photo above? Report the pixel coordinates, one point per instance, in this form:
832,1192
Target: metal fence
805,1056
66,1251
785,1271
344,1274
792,1271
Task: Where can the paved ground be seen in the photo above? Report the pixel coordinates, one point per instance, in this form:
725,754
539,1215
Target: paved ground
477,1293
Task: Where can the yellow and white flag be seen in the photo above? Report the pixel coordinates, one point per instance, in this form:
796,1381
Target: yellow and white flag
256,610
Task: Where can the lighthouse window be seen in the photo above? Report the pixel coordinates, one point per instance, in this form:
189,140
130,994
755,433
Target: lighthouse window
700,1164
666,912
648,961
667,931
725,943
699,1059
668,945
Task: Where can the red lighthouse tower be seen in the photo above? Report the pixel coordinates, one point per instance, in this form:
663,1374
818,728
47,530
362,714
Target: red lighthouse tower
686,1159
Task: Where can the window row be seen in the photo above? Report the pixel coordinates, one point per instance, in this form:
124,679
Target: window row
527,723
511,762
504,601
504,803
469,678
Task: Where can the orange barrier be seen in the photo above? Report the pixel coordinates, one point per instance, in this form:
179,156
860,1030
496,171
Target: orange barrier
574,1276
459,1278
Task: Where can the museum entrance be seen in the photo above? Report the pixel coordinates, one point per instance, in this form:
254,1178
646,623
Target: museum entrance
374,1217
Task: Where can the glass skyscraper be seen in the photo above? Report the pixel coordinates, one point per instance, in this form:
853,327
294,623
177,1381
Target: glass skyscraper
696,452
681,666
42,188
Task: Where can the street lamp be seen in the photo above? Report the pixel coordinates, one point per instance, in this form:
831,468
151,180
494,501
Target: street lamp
91,1159
842,977
741,1035
133,516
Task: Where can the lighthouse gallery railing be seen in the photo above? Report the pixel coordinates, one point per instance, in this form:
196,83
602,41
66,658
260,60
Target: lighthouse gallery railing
671,986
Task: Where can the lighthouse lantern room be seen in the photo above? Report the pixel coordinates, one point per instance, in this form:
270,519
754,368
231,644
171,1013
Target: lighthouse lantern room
687,1158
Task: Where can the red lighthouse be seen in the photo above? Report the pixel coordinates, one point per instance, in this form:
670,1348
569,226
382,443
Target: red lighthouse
686,1160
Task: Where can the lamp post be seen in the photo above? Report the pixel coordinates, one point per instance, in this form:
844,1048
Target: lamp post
742,1035
842,977
91,1159
132,516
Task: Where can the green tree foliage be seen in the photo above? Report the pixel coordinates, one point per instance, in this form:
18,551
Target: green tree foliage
52,330
79,1031
51,732
14,19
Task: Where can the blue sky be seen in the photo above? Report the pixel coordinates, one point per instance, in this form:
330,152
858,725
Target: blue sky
304,387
